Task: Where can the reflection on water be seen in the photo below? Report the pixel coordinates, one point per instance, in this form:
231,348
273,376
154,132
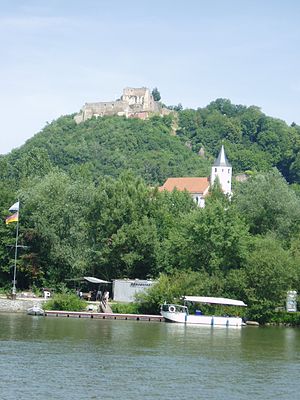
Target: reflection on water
62,358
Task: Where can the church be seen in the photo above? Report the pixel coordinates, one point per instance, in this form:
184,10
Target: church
198,187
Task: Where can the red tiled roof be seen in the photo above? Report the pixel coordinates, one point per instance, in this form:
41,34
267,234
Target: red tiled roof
192,185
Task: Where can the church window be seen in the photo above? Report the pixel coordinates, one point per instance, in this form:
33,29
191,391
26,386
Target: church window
229,170
215,169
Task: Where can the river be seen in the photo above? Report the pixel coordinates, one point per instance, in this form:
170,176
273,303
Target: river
69,358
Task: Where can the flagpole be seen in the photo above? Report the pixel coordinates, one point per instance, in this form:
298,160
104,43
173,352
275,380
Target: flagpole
14,289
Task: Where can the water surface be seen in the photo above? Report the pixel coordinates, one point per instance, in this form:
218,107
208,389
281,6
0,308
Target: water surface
66,358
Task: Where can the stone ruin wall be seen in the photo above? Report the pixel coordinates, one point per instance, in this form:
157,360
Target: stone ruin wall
135,102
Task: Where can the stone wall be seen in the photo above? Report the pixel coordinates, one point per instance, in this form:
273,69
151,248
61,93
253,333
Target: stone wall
19,305
135,102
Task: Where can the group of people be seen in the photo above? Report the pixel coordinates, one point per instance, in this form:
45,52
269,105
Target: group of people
95,295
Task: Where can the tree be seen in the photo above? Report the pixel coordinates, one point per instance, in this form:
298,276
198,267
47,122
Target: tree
121,229
130,226
294,172
7,234
156,94
225,107
268,205
55,227
212,240
251,121
269,272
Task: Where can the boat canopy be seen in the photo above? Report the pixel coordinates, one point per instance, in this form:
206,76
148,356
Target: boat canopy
214,300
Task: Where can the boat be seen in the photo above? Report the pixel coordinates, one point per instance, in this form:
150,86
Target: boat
35,310
180,313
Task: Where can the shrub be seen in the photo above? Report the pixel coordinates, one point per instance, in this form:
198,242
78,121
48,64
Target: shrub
125,308
260,311
285,318
66,302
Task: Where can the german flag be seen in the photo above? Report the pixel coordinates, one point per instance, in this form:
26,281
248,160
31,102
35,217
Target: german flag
12,218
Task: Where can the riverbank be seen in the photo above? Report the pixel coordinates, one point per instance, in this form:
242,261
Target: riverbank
23,304
20,305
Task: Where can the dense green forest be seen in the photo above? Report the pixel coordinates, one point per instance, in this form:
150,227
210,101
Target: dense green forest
90,205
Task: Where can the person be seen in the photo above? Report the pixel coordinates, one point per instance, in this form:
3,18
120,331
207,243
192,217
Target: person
105,297
104,301
94,295
99,295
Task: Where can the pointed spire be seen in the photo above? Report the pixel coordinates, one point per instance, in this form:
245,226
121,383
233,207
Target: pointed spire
221,160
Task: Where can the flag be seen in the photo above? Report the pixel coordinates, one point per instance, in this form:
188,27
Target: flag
12,218
15,207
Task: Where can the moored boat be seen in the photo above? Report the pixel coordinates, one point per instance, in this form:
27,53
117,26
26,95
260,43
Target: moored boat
180,313
35,310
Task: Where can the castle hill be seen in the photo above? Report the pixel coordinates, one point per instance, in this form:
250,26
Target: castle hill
204,200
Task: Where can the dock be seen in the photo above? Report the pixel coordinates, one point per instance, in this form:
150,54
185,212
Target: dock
97,315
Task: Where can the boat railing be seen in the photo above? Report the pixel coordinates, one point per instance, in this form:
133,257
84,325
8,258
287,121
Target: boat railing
174,308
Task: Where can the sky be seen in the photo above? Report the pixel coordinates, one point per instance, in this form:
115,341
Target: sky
58,54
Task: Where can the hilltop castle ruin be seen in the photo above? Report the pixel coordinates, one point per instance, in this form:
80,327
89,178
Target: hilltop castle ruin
135,102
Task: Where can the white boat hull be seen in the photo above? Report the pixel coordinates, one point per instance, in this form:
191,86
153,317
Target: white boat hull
183,318
35,310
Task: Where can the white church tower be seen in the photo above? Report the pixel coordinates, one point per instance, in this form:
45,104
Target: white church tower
223,170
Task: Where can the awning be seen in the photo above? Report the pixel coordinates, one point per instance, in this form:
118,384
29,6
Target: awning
215,300
94,280
90,279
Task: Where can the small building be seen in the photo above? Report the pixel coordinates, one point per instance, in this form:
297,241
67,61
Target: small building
126,289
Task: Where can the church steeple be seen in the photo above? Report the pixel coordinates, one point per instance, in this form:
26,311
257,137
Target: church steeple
221,160
223,170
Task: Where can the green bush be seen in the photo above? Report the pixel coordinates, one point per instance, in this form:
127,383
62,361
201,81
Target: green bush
260,311
5,289
125,308
66,302
285,318
37,291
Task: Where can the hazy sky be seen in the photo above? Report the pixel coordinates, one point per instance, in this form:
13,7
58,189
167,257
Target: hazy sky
58,54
